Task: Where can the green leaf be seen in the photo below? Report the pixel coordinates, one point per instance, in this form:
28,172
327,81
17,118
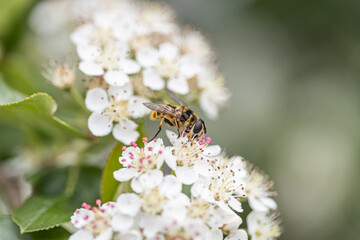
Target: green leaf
49,182
87,187
57,233
41,213
110,187
108,183
8,95
36,112
10,231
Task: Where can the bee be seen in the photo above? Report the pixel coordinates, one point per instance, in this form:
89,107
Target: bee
179,116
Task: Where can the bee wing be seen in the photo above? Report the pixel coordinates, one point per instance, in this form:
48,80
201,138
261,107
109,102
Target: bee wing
162,108
174,97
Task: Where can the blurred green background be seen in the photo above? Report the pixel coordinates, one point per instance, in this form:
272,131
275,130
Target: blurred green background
294,71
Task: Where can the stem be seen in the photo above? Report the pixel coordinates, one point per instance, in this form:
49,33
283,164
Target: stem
78,98
72,180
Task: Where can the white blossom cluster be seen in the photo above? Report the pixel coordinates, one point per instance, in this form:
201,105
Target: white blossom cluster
159,207
131,51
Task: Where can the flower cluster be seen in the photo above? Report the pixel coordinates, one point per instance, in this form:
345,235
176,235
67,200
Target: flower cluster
133,51
158,208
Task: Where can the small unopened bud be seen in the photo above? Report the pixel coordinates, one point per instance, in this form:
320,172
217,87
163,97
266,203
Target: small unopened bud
61,74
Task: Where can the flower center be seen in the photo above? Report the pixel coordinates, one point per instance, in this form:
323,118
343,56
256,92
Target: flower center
223,180
198,209
188,153
102,36
257,185
143,162
118,111
109,59
63,75
153,201
167,69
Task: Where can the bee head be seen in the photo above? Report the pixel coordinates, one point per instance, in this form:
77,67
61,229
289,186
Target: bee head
199,128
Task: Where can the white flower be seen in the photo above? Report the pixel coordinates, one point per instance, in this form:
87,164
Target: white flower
209,213
224,185
213,93
101,54
263,226
237,235
258,191
193,42
155,194
166,63
155,18
112,110
95,223
137,161
190,158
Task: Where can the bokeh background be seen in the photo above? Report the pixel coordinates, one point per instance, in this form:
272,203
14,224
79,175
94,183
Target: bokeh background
294,71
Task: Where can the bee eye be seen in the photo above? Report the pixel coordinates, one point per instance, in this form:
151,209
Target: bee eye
198,126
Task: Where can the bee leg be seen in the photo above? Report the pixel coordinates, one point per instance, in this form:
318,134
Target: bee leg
160,125
177,127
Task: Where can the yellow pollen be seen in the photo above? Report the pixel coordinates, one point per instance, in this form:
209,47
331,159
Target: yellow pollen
118,110
153,201
167,69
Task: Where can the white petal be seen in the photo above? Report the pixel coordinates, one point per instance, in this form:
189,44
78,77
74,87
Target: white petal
202,168
189,67
96,100
215,234
257,205
199,190
129,66
235,204
178,85
186,175
152,80
121,93
103,19
175,209
121,222
150,224
131,235
81,235
116,78
168,51
171,136
136,185
151,179
170,159
124,174
237,235
136,107
208,106
252,221
99,124
231,220
91,68
105,235
88,52
147,57
171,186
82,34
213,150
129,203
125,133
269,202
